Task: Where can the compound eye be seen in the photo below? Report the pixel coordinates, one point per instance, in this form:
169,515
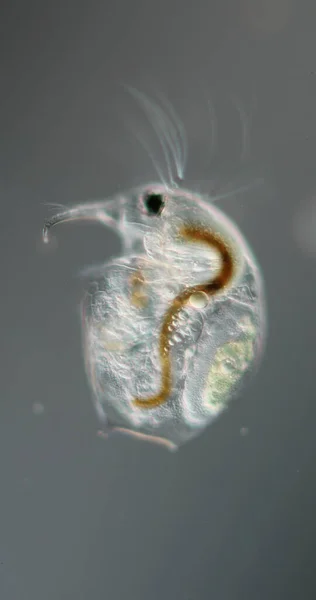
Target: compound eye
154,204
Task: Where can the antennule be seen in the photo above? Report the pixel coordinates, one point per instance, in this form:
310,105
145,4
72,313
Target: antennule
96,211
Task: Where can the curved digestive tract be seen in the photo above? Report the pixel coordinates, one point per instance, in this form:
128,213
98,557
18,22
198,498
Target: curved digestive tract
191,234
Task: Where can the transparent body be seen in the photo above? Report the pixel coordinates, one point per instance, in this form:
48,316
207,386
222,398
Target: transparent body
174,326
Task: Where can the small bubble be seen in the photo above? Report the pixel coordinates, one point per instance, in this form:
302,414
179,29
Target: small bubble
244,431
198,300
37,408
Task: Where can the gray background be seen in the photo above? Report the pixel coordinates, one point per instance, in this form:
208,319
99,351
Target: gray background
228,516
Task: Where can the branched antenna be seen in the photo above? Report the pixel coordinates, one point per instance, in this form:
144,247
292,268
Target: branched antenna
214,127
245,121
169,130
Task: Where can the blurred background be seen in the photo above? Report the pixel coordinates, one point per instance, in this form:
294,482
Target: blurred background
231,516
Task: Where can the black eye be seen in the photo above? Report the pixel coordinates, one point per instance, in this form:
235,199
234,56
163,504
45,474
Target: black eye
154,204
